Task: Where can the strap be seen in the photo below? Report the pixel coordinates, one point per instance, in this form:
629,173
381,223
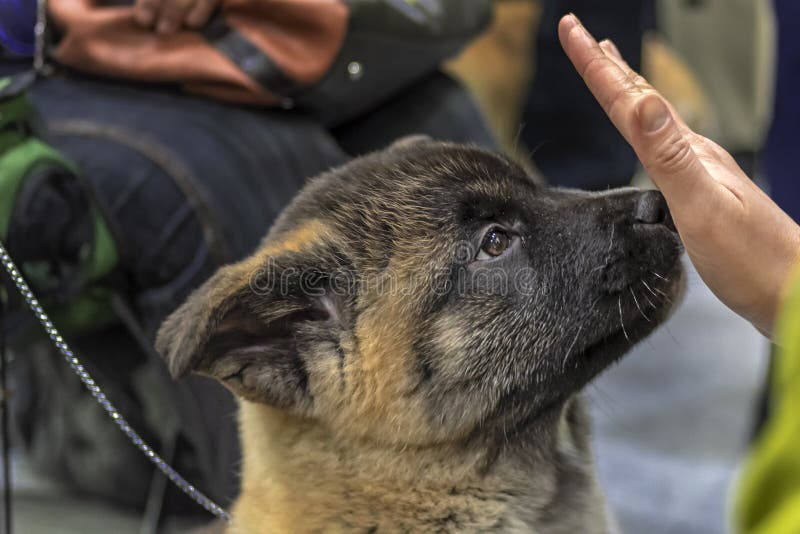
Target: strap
249,58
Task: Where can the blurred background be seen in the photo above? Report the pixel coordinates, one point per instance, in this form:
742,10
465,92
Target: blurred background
140,190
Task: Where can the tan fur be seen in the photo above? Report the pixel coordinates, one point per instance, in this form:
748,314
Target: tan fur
379,375
344,484
302,237
399,408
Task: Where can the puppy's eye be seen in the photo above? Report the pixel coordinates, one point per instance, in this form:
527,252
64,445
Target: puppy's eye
495,242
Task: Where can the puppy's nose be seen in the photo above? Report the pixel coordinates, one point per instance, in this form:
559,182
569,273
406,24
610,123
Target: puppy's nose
651,208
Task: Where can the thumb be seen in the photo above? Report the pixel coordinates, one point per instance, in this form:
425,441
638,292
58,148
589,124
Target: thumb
665,150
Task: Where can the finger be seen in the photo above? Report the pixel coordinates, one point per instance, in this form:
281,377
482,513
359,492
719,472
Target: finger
612,52
641,115
172,15
610,85
602,68
668,155
145,11
608,46
200,13
641,82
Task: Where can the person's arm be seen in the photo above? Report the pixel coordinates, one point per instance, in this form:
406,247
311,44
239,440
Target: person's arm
741,243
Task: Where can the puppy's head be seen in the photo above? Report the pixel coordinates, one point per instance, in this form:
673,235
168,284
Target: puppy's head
431,291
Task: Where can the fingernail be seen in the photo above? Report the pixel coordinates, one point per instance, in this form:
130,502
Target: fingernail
610,47
653,114
570,21
583,33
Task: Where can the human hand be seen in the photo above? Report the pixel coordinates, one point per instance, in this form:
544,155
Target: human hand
742,244
169,16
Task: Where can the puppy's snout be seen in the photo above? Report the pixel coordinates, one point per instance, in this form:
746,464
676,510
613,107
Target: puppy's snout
651,208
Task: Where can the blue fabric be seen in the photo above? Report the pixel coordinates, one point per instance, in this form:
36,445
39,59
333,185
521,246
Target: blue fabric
573,142
17,19
782,150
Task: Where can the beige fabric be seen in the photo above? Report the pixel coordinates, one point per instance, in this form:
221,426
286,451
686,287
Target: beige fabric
730,47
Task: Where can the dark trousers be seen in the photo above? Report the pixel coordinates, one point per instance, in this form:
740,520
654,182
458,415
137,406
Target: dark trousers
573,142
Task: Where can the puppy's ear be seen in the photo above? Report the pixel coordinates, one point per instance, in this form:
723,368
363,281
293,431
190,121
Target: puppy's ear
409,141
183,336
247,333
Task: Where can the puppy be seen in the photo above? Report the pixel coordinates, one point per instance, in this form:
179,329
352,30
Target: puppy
409,342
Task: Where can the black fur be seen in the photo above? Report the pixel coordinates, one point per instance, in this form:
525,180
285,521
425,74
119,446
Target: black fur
494,348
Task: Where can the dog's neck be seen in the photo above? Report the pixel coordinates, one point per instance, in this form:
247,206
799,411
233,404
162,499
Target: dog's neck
299,477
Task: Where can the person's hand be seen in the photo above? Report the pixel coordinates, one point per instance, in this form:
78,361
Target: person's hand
169,16
741,243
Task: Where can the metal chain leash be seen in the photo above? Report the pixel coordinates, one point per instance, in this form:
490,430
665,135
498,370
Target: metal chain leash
98,394
40,35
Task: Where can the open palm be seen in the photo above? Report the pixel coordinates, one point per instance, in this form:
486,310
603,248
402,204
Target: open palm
741,243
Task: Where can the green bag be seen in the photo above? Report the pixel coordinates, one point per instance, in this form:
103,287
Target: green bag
27,164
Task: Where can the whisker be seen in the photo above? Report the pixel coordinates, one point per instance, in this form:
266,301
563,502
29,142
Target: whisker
644,295
649,289
515,143
662,293
609,399
603,401
532,152
678,343
659,276
637,304
569,350
621,322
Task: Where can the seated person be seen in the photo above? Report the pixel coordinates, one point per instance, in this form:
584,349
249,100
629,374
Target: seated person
167,187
